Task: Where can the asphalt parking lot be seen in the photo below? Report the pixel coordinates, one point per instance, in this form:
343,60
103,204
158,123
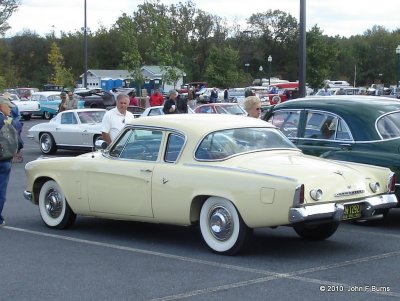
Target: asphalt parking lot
116,260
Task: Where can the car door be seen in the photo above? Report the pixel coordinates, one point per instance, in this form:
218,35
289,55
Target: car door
323,133
67,131
121,183
288,121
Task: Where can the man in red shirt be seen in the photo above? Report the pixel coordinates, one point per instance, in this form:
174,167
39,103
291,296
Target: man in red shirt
156,99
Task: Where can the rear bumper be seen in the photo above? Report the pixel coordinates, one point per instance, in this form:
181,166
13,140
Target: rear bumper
334,211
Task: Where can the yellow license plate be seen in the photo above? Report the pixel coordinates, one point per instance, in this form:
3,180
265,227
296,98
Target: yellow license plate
352,211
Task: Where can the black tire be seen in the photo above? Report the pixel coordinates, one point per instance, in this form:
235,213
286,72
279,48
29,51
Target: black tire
27,117
47,115
53,207
222,227
47,144
316,231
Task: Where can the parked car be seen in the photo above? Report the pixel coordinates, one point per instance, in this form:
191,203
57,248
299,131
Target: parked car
362,129
236,95
49,102
158,110
221,108
135,110
26,93
203,96
73,129
186,169
96,98
25,106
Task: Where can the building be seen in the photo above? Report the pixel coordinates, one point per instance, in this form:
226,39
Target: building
109,79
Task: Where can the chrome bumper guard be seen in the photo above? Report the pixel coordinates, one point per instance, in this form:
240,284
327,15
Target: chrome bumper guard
28,195
334,212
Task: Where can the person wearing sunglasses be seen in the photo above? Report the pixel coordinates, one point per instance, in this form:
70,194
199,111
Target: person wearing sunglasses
252,105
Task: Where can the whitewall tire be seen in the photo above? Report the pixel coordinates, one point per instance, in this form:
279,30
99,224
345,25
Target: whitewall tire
54,209
221,226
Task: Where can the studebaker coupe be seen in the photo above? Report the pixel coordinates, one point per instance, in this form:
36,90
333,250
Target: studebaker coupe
363,129
229,174
73,129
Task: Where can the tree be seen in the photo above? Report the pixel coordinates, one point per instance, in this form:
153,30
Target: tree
321,57
7,7
222,68
61,75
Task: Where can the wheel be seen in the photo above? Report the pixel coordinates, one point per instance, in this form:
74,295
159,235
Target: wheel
47,144
27,117
276,99
222,227
47,115
316,231
54,209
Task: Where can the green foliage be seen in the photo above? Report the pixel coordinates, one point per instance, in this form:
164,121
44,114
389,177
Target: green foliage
200,44
61,75
7,7
222,67
321,57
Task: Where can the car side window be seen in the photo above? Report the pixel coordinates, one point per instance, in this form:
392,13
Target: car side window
220,110
321,125
287,121
68,118
174,147
138,144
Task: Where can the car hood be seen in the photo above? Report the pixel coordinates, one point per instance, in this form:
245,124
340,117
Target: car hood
334,178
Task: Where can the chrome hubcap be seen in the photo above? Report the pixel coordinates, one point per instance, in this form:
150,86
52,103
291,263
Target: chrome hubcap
53,203
220,223
45,143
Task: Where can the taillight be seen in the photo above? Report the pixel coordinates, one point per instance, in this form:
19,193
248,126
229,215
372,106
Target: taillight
301,201
299,195
392,183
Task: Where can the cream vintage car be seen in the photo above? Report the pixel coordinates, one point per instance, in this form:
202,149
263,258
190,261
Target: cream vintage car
228,174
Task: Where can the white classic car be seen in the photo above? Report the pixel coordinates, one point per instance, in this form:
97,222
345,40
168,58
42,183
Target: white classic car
26,107
72,129
229,174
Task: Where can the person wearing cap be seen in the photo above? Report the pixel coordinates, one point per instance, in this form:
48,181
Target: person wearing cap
170,103
62,106
8,148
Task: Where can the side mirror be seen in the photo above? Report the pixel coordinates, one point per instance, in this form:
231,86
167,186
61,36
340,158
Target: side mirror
100,144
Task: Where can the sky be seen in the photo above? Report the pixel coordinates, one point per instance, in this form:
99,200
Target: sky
334,17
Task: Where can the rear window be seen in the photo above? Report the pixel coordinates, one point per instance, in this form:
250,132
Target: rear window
388,126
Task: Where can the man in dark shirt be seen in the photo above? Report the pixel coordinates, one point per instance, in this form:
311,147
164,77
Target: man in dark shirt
170,106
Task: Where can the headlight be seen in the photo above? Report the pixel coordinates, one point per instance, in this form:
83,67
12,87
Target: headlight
316,194
374,186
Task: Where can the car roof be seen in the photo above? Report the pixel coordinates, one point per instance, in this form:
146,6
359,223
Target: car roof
200,124
47,93
345,104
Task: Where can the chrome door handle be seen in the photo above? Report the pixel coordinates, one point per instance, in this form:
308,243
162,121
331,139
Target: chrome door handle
146,170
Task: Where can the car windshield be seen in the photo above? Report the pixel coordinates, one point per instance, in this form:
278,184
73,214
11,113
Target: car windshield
389,126
234,109
91,117
226,143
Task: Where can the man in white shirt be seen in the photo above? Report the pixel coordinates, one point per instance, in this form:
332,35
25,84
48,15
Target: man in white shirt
114,120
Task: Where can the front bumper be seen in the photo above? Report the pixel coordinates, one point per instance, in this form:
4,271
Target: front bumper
334,211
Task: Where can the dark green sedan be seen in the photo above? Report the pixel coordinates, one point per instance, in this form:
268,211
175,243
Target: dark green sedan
360,129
